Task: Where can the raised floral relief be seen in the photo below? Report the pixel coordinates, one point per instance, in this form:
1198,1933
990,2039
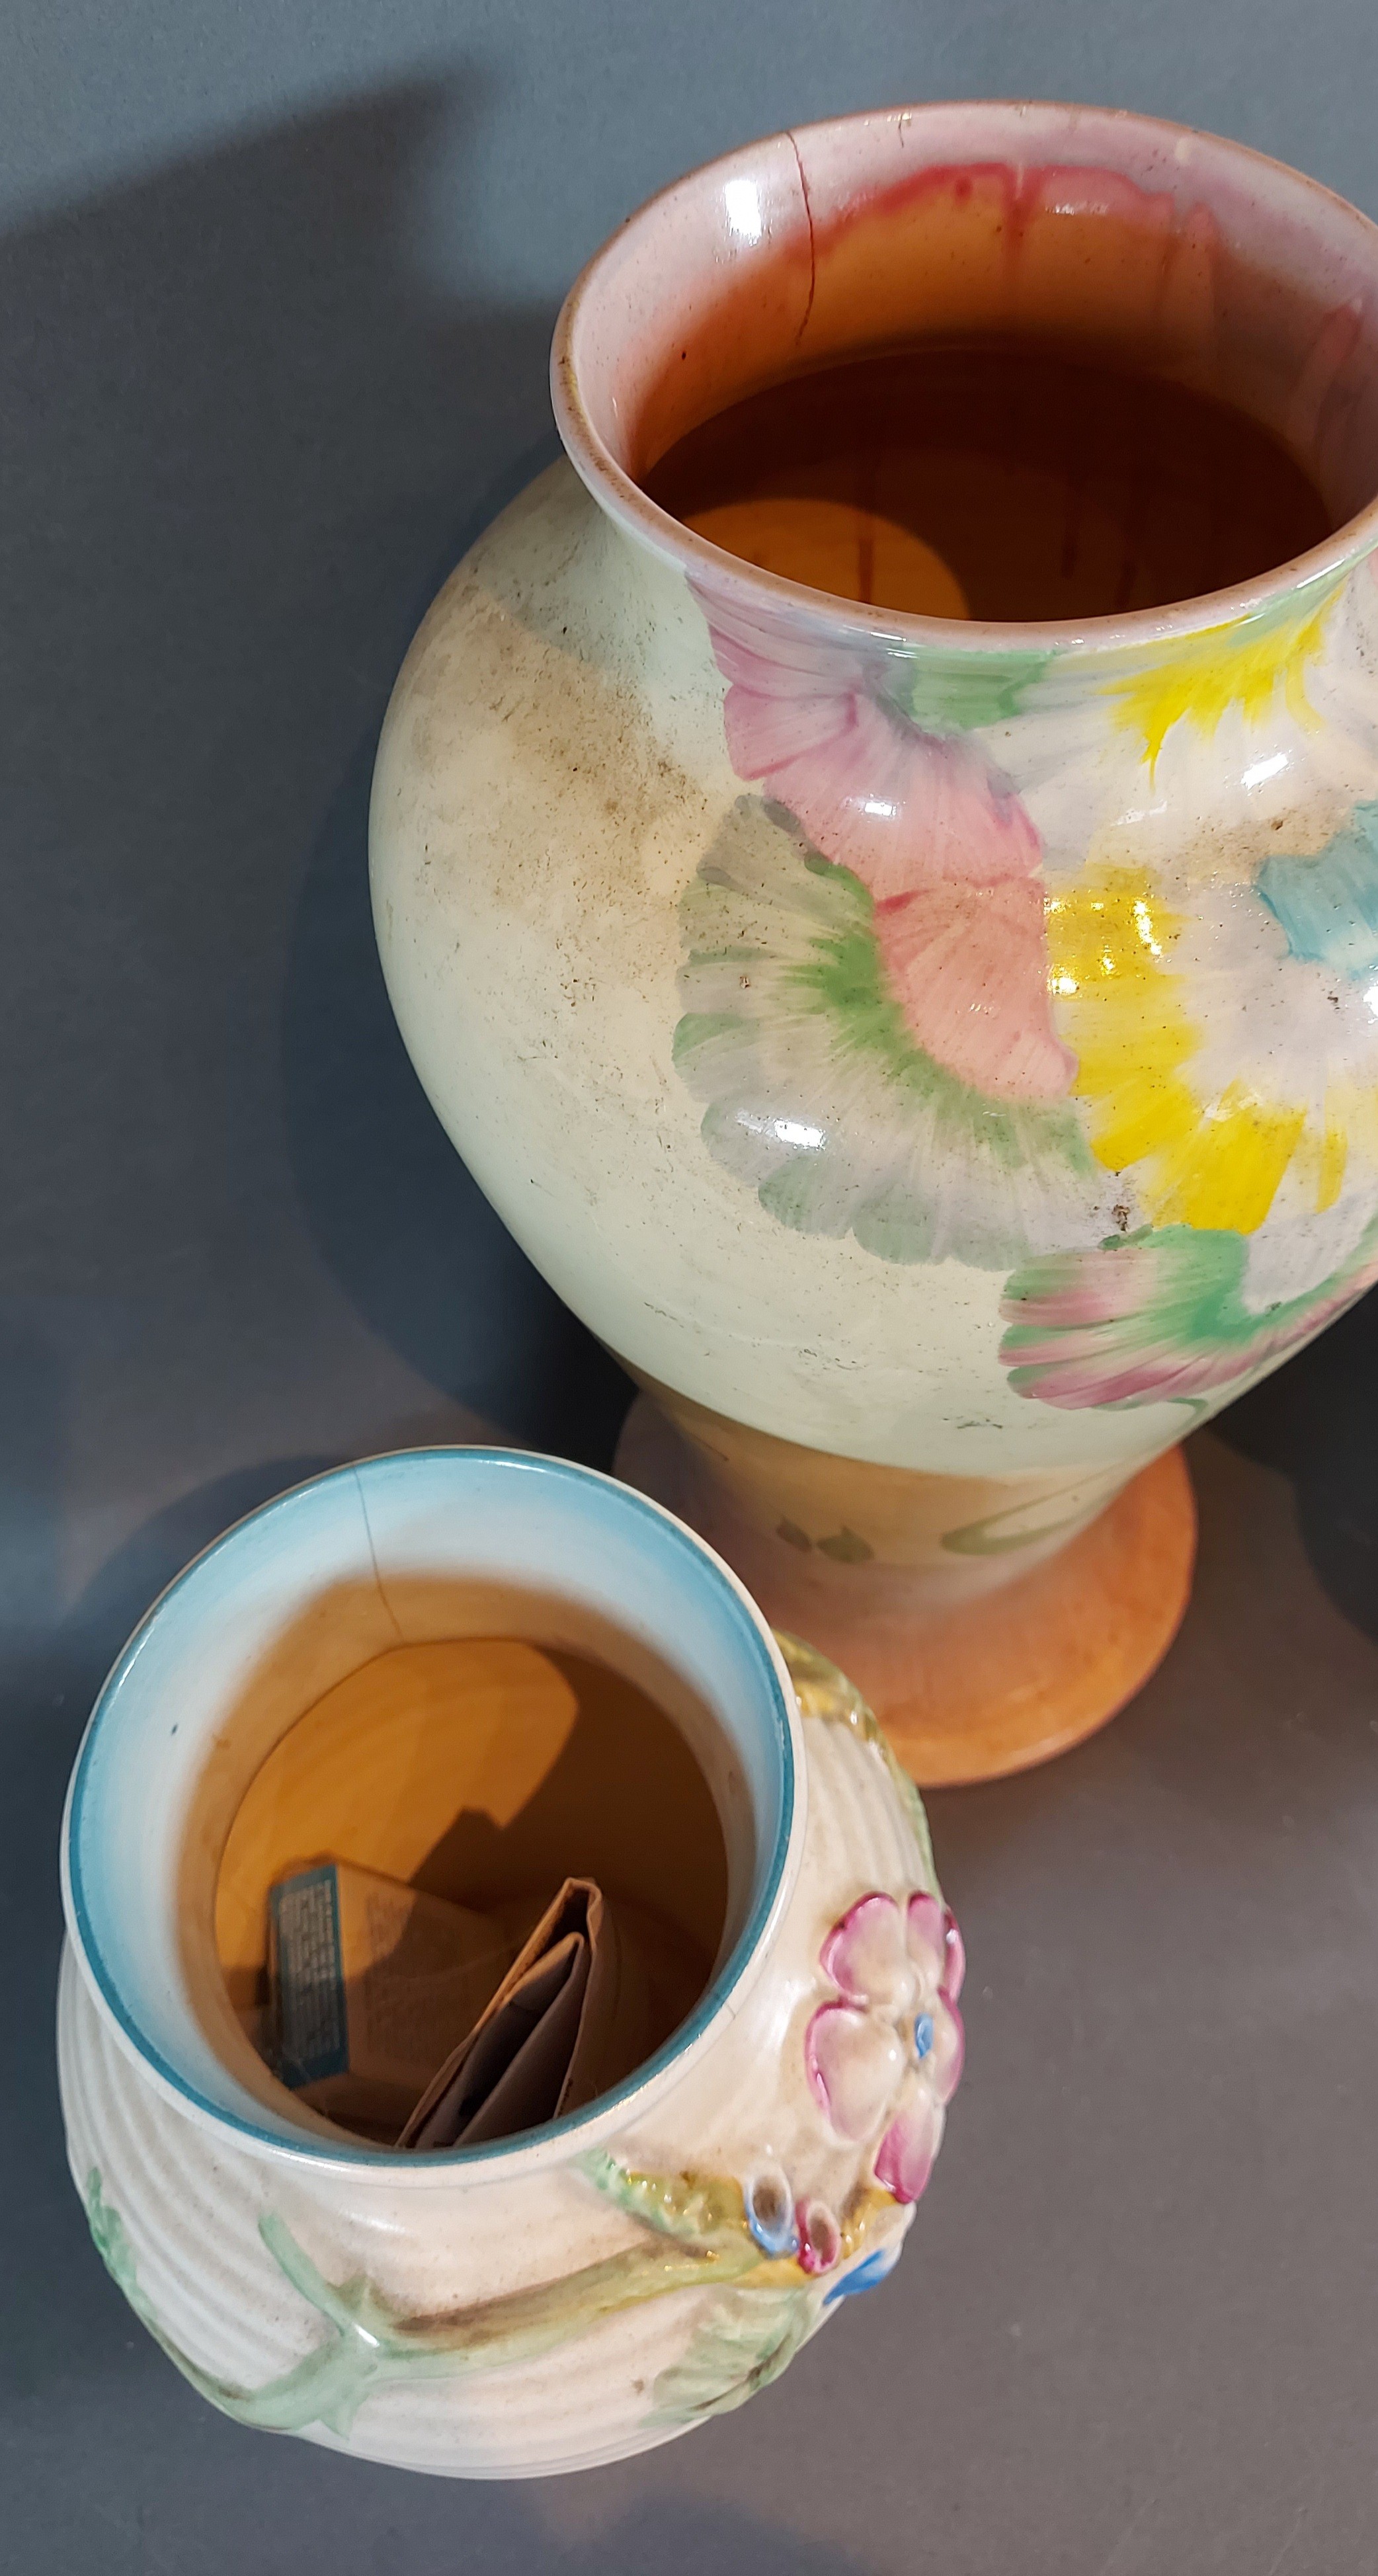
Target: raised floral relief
766,2253
695,2236
885,2057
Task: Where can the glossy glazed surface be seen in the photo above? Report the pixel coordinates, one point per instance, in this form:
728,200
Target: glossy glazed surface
681,2238
946,1046
989,1646
992,478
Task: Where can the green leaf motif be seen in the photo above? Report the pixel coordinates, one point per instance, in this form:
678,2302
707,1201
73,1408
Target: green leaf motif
698,1029
819,1097
1019,1525
706,2210
956,692
846,1547
1159,1316
696,2236
745,2341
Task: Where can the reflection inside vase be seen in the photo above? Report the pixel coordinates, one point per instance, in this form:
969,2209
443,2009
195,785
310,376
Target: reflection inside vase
993,478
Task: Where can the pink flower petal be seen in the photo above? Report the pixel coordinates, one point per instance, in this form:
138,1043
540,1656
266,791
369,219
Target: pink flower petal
947,2055
905,2156
864,1954
902,809
933,831
854,2062
820,2237
1150,1379
968,966
955,1960
925,1931
1133,1325
1066,1289
766,736
907,805
768,650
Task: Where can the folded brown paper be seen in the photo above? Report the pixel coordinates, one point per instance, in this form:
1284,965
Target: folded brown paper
370,1980
570,2019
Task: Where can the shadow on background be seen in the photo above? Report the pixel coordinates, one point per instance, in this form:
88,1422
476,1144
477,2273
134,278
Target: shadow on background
1317,1422
679,2538
50,1674
244,440
409,1234
242,443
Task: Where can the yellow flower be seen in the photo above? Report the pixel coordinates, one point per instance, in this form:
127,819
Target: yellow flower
1242,664
1119,1001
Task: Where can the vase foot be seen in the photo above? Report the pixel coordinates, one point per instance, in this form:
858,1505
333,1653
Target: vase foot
994,1685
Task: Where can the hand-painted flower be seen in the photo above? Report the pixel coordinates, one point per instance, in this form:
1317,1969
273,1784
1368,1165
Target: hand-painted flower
1228,1041
888,2054
1248,664
819,1097
1158,1318
922,820
1327,907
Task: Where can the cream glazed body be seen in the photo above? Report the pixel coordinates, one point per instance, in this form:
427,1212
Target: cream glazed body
583,2292
941,1048
553,777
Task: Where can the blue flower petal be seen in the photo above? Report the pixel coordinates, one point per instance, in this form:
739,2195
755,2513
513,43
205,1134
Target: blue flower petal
1328,906
923,2035
867,2274
770,2215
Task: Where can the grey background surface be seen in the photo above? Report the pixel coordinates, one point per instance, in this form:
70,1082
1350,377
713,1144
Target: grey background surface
276,285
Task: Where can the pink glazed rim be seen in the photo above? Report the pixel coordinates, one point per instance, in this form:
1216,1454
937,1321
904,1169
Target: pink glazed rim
689,222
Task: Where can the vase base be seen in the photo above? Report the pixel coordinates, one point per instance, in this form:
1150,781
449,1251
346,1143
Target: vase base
997,1685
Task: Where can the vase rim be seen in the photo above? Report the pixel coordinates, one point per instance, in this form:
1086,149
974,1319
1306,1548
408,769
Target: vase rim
230,2107
1308,209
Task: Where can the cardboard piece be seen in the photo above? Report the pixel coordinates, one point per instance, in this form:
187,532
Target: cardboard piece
570,2019
369,1982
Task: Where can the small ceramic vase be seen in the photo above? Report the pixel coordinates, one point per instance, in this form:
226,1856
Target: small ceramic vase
593,2287
939,1059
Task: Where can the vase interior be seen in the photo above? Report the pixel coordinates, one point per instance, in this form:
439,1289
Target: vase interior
290,1700
1111,238
483,1770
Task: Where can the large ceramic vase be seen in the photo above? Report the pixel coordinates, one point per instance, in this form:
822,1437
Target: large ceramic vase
939,1059
593,2286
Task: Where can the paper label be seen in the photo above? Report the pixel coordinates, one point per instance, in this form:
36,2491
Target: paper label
313,2026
